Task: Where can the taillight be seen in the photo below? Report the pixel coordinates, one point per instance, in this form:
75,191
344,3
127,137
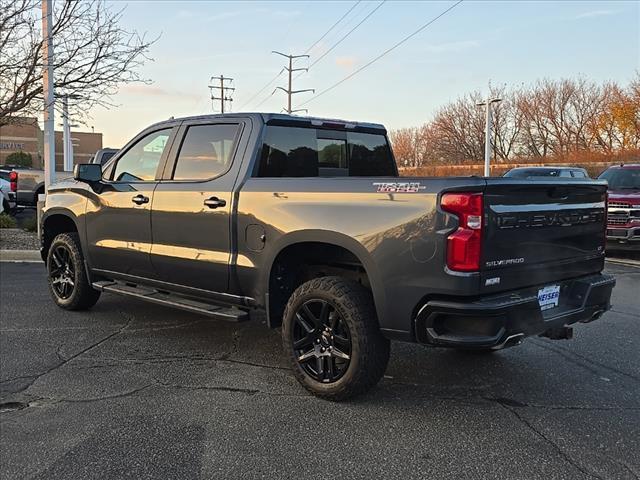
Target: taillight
464,245
13,181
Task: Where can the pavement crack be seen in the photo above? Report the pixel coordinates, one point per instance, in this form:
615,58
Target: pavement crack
585,362
632,315
62,363
128,393
550,442
248,391
511,403
253,364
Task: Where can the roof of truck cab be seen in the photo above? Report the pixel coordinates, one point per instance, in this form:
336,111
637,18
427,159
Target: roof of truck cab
282,118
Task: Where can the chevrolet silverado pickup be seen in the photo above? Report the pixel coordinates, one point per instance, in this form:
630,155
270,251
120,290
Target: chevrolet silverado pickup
305,222
623,219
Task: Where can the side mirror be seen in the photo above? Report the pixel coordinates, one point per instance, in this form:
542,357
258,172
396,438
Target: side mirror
87,172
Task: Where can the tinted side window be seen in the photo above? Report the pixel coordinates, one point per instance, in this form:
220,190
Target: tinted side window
289,152
140,162
369,156
305,152
205,152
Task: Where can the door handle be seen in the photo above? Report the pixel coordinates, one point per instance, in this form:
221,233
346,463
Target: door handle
215,202
140,199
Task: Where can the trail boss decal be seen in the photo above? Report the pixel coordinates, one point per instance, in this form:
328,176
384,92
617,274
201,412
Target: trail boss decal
399,187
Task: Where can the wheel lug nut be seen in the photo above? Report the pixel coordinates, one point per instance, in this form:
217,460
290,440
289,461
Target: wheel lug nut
322,350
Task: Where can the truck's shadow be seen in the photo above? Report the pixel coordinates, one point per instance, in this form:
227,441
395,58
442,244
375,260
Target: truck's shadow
539,373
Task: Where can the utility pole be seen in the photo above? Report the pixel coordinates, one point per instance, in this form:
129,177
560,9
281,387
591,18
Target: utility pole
222,87
289,91
487,133
49,98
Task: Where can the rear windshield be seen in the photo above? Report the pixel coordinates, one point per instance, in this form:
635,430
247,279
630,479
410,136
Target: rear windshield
106,156
534,172
622,178
310,152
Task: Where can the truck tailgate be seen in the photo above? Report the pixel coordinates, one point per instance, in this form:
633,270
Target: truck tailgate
538,232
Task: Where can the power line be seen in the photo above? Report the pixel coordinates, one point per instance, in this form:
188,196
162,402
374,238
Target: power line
333,26
405,39
347,34
272,81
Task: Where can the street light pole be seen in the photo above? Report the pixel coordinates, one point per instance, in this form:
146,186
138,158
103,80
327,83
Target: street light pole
66,133
67,142
47,58
487,133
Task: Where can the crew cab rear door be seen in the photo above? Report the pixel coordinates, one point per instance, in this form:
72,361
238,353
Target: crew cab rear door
191,212
540,231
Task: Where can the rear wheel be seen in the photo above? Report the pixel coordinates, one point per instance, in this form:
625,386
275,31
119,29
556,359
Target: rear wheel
68,283
332,338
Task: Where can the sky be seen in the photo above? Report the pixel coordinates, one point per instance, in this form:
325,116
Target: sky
477,42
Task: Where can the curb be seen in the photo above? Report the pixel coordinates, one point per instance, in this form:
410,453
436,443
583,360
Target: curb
32,256
624,261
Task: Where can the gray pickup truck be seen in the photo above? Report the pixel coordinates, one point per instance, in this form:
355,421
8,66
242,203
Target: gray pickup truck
29,184
306,221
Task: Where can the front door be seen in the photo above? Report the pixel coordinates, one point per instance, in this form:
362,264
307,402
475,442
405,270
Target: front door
118,219
190,216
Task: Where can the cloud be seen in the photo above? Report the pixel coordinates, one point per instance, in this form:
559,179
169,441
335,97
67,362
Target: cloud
595,13
185,14
286,13
452,46
346,62
225,15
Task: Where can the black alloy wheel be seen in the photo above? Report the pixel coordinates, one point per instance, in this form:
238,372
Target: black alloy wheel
321,341
62,272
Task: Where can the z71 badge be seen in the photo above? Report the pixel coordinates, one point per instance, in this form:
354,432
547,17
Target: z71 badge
399,187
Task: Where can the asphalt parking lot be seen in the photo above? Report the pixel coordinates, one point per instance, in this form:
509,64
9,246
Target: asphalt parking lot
132,390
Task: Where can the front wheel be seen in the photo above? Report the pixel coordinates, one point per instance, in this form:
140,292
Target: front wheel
68,283
331,336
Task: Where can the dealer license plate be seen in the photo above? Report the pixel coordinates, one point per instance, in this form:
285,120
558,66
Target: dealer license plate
548,297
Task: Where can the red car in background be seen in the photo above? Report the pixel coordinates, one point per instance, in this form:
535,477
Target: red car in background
623,218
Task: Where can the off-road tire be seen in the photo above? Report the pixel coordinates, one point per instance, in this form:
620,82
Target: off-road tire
83,295
369,348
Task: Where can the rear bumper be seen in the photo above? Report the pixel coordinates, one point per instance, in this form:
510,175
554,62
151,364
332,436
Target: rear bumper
497,321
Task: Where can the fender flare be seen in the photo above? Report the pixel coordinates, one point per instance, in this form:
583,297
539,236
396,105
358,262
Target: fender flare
331,238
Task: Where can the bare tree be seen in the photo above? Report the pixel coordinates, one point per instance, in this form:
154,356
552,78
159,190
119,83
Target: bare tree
94,54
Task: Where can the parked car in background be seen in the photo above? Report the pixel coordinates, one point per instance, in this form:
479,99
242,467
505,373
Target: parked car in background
7,194
305,222
623,218
546,172
28,183
4,197
103,155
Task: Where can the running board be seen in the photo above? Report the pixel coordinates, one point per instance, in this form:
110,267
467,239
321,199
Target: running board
218,312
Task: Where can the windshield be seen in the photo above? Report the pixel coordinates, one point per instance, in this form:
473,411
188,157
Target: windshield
534,172
622,178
